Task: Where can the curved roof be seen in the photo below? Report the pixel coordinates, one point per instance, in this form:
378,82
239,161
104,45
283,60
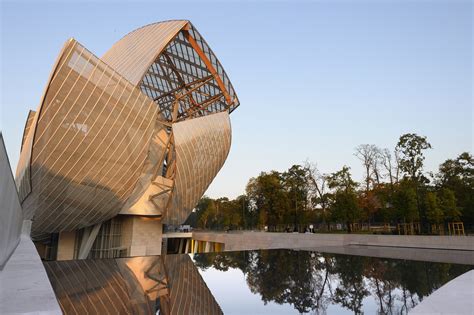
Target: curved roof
92,134
202,146
132,55
171,62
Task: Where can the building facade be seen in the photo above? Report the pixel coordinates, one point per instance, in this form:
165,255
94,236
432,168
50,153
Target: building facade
125,143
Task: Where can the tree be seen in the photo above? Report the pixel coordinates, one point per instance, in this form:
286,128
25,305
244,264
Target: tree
405,201
390,165
319,196
447,204
295,182
206,212
230,213
434,213
345,205
342,180
457,175
345,208
249,217
368,154
269,198
411,147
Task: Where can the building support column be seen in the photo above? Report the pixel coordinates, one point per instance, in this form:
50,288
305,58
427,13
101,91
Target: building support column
181,246
88,238
186,248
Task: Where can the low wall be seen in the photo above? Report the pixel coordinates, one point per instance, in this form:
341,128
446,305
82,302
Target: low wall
24,284
11,216
268,240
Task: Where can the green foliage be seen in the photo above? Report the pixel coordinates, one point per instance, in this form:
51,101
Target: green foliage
345,207
269,197
342,180
411,147
218,213
434,213
302,195
457,175
447,204
206,212
296,186
404,201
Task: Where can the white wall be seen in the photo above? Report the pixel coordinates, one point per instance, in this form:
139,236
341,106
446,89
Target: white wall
11,216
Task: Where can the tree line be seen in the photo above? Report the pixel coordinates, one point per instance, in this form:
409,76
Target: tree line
395,190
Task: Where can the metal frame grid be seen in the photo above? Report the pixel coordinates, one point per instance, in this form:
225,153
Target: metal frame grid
187,80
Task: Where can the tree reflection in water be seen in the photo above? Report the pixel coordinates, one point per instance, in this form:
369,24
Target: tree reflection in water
311,281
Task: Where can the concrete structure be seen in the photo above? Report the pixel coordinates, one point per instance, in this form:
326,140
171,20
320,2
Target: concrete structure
448,249
11,216
267,240
455,297
24,285
140,132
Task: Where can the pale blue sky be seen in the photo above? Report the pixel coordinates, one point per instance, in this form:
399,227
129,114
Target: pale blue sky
315,78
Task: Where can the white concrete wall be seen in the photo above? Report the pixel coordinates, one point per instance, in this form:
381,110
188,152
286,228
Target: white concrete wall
11,216
454,297
267,240
24,284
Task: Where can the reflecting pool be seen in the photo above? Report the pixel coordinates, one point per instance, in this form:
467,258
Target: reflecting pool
247,282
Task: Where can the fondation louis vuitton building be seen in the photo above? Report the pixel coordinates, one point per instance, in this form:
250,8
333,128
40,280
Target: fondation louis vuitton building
124,143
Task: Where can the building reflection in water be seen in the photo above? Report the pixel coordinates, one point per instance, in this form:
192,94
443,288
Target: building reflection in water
140,285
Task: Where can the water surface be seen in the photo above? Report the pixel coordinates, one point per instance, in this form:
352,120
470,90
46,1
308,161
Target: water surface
247,282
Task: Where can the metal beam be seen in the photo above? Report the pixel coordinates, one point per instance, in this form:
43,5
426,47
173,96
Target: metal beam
208,64
172,92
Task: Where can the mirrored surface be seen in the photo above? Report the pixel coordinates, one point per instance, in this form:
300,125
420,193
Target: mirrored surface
141,285
247,282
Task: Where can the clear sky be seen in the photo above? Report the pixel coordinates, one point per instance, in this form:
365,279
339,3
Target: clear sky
315,78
